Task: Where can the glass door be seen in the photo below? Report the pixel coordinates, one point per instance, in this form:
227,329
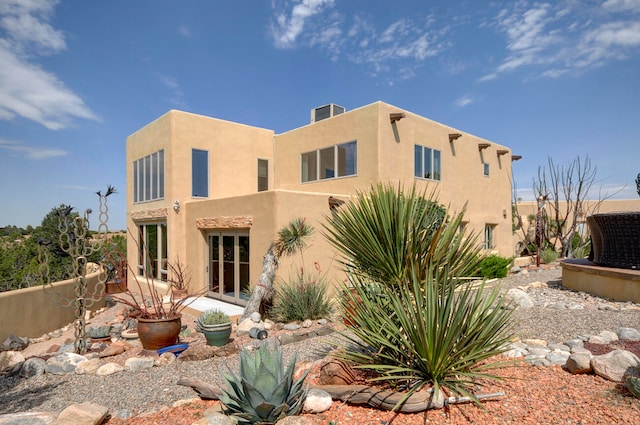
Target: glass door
229,266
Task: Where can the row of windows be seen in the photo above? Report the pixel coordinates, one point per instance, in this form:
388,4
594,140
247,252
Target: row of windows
148,177
321,164
328,163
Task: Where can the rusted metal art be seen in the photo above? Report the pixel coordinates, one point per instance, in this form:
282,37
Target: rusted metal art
75,240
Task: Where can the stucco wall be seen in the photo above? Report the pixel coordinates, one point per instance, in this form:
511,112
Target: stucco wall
34,311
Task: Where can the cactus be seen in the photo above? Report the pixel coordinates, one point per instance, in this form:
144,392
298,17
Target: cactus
633,384
263,392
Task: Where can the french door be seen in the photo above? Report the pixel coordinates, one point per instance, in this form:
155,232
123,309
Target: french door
229,266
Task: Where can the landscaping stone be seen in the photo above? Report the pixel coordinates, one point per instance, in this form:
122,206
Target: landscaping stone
628,334
14,343
29,418
109,369
9,361
614,365
519,298
317,401
33,367
89,367
64,363
83,414
579,363
136,364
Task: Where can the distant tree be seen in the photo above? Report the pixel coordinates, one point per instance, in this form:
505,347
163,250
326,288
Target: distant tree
566,188
638,184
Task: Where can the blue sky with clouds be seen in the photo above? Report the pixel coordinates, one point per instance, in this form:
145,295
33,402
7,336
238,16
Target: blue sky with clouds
558,79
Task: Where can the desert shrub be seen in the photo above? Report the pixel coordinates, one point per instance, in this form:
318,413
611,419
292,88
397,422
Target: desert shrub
494,266
549,255
302,297
414,321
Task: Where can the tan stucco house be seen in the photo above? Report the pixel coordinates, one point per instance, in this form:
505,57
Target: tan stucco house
214,193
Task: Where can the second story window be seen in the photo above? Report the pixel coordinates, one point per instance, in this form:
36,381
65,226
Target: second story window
328,163
485,167
199,173
263,175
148,177
427,163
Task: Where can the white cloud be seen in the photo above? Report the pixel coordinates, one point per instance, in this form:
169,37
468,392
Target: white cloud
286,28
464,101
177,97
314,23
622,5
555,40
184,31
26,89
31,152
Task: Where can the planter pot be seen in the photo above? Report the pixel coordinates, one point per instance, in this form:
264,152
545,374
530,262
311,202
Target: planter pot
179,294
216,335
159,333
115,287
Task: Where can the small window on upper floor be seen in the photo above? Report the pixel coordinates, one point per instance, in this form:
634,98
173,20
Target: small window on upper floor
427,163
199,173
263,175
328,163
486,169
148,177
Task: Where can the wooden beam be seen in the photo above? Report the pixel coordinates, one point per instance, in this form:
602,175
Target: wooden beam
483,146
396,116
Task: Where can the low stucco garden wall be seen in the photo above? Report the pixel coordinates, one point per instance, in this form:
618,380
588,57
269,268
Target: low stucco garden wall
35,311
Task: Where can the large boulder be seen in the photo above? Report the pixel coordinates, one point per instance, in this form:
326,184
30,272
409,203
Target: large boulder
615,364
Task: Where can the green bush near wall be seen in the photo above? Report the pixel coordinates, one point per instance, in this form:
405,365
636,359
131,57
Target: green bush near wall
494,266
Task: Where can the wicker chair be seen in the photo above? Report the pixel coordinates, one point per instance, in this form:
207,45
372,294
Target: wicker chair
615,239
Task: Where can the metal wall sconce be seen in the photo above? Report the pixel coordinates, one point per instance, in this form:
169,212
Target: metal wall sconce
176,205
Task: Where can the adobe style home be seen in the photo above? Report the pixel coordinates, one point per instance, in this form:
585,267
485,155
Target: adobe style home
214,193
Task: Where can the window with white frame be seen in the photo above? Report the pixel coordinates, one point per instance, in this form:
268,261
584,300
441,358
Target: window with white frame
427,163
148,177
263,175
489,230
328,163
199,173
152,251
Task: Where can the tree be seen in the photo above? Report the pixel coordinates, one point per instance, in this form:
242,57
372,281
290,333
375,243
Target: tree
566,189
638,184
291,239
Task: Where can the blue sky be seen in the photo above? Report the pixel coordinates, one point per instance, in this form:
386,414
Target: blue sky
557,79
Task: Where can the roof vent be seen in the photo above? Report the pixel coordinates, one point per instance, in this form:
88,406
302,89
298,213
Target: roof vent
326,111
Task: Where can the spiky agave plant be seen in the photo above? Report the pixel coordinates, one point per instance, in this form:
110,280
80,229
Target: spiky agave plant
264,391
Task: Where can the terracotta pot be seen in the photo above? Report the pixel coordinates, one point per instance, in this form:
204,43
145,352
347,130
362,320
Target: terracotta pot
179,294
115,287
159,333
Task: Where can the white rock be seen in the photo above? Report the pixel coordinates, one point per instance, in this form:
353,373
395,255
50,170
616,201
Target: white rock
109,369
255,317
519,298
9,360
628,334
136,364
317,401
83,413
89,367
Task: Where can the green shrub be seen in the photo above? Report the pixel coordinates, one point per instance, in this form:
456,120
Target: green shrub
213,317
548,256
494,266
301,298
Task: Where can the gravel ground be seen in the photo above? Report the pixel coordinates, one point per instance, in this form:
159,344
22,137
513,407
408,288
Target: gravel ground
126,394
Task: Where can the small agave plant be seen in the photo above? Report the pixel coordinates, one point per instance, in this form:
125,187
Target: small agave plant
263,392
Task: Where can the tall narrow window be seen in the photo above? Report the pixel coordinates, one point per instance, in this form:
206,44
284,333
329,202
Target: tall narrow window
148,177
199,173
489,242
486,169
152,253
263,175
427,163
347,159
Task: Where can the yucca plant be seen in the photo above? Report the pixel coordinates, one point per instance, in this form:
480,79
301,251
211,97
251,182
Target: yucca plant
416,321
433,332
264,391
385,232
